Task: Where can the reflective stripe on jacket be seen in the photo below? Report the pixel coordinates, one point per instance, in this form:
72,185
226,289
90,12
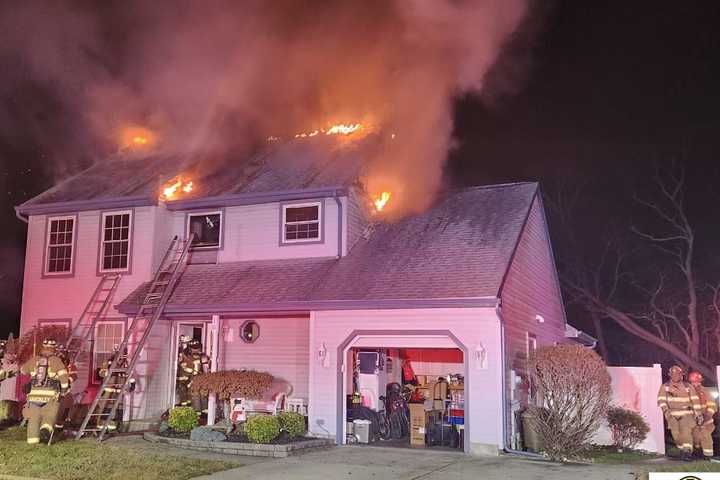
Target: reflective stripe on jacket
679,399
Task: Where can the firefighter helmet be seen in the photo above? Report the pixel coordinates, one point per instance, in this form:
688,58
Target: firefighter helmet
49,342
677,368
695,377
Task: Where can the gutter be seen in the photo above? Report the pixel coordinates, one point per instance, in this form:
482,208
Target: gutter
340,224
83,205
506,447
20,215
317,305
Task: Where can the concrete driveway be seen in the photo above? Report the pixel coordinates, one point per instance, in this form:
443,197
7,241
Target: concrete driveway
375,463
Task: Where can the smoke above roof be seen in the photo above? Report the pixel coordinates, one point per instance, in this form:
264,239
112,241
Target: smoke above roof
216,78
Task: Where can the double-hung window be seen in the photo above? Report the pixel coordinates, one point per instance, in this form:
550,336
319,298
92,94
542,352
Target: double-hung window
108,334
207,228
60,245
301,222
115,243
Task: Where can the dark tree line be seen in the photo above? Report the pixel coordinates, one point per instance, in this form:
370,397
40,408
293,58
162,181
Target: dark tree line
643,272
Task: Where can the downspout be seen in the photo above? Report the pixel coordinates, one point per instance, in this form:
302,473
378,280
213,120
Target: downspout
339,223
506,447
20,216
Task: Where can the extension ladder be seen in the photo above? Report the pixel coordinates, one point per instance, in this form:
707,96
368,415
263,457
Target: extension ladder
115,383
82,334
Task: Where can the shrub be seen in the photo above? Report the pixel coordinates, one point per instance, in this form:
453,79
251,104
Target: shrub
628,427
570,393
183,419
262,428
292,423
232,383
9,411
31,341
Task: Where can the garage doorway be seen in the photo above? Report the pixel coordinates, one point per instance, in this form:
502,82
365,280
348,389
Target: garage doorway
404,389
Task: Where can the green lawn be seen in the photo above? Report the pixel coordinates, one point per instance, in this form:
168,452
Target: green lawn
610,456
88,459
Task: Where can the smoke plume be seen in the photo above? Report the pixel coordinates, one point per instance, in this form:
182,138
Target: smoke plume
221,76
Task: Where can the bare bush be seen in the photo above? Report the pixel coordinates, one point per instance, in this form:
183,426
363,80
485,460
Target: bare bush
570,396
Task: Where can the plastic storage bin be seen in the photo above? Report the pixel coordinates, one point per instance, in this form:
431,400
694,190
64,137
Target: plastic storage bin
362,430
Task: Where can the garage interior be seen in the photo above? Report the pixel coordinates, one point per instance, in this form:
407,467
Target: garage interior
405,397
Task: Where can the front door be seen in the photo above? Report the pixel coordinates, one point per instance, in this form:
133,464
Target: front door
194,331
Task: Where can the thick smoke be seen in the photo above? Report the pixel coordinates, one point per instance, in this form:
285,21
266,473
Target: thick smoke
220,76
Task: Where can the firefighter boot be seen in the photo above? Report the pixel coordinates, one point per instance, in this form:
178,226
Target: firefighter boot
46,432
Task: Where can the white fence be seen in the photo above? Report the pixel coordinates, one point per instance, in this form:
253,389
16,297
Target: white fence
636,388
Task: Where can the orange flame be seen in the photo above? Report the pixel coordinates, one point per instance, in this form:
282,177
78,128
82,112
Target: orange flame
172,188
135,137
339,129
381,201
343,129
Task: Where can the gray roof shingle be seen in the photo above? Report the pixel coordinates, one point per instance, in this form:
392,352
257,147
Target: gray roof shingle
460,248
307,163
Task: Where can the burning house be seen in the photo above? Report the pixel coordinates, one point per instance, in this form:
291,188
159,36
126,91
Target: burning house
295,268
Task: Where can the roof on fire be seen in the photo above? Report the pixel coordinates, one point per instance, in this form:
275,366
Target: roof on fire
320,162
459,249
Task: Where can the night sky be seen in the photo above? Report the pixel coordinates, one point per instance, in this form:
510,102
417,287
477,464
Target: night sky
604,91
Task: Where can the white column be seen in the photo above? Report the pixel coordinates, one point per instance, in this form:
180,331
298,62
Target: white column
214,347
129,399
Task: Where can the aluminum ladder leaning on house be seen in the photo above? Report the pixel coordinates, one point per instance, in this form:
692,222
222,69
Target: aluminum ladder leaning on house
82,333
135,337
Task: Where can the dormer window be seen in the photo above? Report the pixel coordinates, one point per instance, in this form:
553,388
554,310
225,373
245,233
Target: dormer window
301,222
207,228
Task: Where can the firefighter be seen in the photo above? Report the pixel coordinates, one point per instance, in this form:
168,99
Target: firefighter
681,408
113,388
8,365
67,402
184,372
702,433
49,382
194,363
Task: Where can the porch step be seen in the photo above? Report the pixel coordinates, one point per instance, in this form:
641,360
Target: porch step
142,424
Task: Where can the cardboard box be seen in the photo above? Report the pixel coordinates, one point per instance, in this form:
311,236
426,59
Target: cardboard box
420,418
417,424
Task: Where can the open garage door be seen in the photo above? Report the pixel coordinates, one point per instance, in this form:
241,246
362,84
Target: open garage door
429,371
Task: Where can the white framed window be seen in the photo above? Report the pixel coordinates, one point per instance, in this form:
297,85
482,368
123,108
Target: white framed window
207,227
301,222
60,245
115,240
107,335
